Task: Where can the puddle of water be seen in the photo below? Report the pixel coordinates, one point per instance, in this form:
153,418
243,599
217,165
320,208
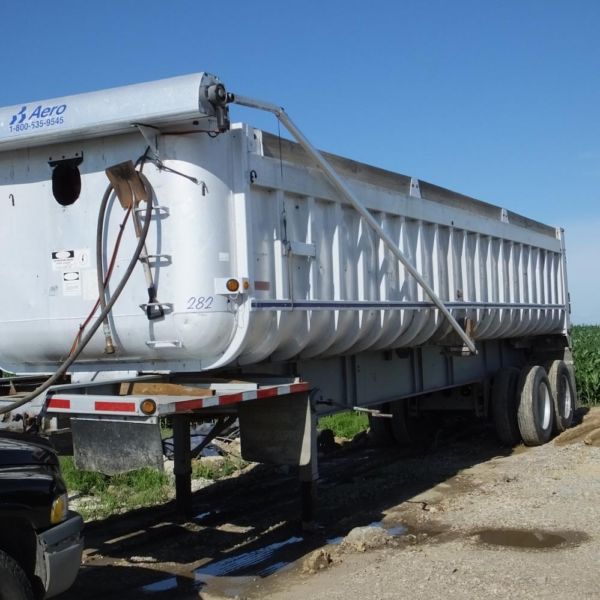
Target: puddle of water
519,538
242,562
207,517
278,566
161,586
226,587
395,530
398,530
335,540
233,574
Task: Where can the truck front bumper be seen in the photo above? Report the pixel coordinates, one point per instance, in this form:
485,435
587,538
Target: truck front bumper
62,547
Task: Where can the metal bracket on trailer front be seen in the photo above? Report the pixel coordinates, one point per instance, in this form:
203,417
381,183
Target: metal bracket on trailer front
339,184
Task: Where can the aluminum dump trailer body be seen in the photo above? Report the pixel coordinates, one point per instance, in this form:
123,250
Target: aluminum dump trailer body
310,279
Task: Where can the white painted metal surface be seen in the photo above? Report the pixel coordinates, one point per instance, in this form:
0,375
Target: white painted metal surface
319,282
106,112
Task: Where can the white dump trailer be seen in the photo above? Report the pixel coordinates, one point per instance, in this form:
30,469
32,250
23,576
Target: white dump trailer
160,261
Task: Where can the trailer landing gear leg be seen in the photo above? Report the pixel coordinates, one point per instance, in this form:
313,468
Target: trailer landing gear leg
309,474
183,465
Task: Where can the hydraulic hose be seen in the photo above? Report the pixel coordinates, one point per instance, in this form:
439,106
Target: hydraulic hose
96,324
109,347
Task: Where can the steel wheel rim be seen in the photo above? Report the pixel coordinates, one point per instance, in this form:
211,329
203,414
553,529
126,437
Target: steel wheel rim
544,406
568,399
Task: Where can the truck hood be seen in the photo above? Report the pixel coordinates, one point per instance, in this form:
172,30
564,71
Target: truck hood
21,449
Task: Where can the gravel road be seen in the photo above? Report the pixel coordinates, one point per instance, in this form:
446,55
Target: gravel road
468,519
520,526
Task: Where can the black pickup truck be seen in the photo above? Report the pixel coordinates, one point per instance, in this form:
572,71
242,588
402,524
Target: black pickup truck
40,540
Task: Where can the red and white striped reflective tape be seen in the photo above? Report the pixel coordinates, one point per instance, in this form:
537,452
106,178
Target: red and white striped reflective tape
227,399
75,403
166,405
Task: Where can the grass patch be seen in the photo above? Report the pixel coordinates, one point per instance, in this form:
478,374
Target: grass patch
166,432
117,493
86,482
345,424
106,495
586,355
166,428
216,469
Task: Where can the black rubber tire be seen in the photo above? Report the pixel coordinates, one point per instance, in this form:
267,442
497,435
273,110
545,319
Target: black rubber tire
505,392
400,423
14,584
406,430
535,413
380,430
562,385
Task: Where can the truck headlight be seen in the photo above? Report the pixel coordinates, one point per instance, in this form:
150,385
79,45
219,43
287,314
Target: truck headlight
60,507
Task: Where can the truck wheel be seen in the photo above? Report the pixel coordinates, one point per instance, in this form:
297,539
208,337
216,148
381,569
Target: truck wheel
379,428
14,584
535,413
505,387
408,430
562,385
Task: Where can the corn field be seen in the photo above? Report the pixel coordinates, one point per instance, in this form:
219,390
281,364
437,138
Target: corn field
586,353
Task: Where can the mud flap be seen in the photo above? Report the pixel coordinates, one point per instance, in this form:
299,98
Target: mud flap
279,431
116,446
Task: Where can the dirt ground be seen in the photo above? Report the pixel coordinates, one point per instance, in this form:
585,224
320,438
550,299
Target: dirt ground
466,518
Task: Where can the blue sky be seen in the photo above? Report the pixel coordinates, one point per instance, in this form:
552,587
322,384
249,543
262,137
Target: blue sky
496,99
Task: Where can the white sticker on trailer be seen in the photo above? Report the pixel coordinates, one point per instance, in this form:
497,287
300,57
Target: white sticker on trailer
89,284
82,258
71,283
65,260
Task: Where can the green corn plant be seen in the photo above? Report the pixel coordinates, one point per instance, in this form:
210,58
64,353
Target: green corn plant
586,354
